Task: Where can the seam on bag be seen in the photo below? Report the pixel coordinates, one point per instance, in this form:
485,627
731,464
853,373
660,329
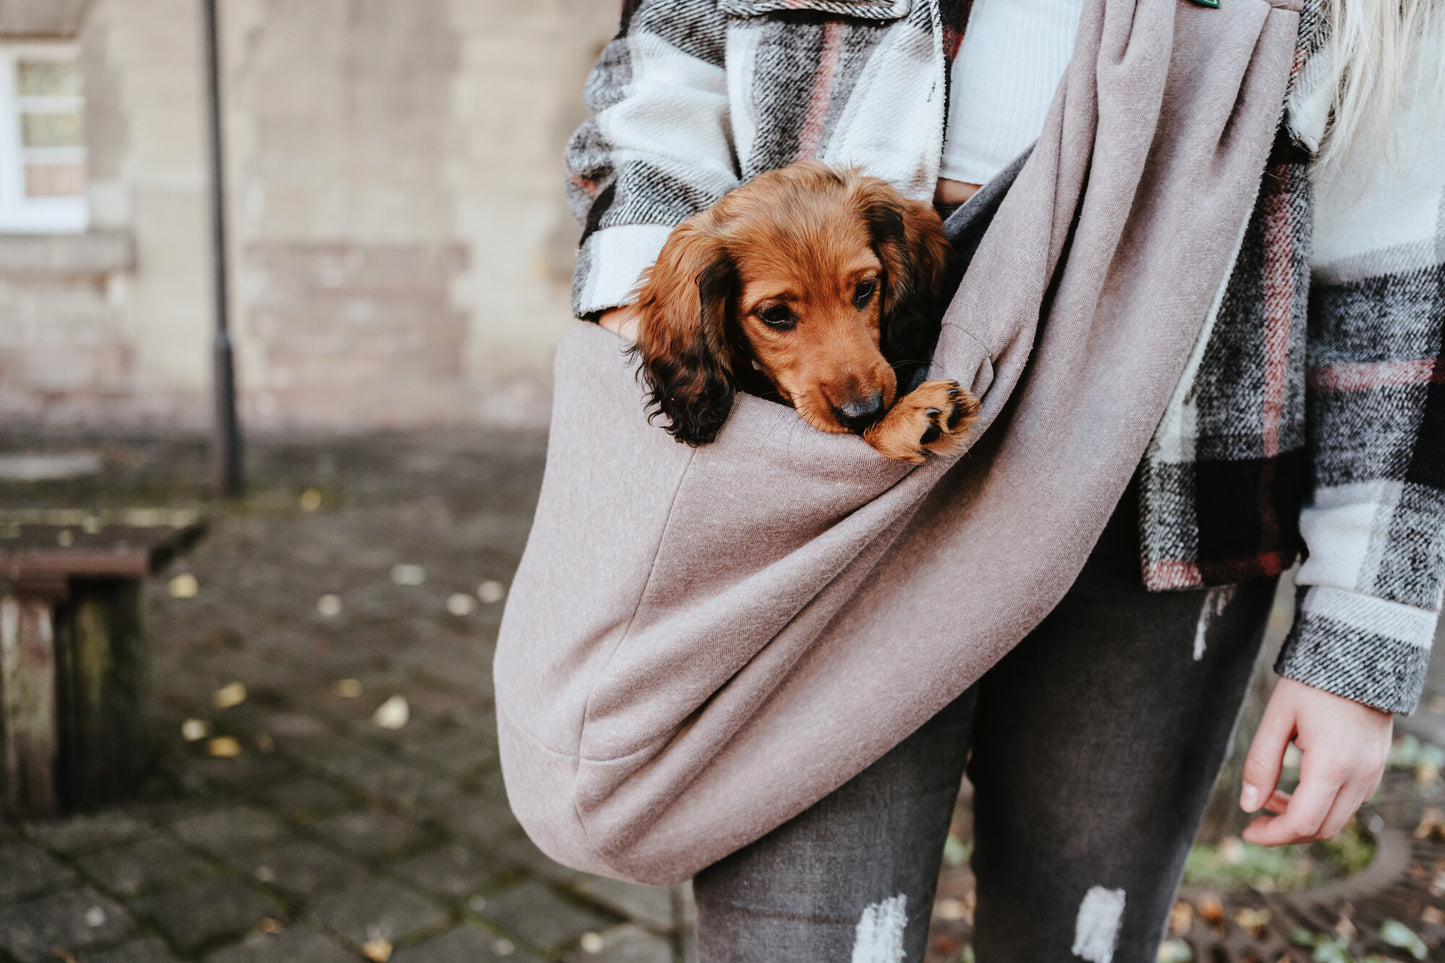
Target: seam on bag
646,584
987,351
582,822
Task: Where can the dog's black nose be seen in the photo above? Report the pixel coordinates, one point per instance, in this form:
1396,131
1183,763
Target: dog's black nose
860,412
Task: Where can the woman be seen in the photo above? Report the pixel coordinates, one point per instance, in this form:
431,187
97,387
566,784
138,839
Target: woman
1312,412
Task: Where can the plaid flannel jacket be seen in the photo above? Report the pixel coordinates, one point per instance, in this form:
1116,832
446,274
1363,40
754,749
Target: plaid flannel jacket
1312,413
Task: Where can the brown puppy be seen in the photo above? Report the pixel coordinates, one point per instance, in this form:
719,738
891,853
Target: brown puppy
820,288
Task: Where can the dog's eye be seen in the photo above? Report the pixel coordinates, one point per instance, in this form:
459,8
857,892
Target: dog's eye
778,316
864,292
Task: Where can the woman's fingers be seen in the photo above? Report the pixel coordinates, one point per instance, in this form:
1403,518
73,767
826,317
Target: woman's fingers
1351,797
1306,811
1266,755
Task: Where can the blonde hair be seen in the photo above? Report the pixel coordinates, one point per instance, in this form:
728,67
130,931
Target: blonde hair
1373,48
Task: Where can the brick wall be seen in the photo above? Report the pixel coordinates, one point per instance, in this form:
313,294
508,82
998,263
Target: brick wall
399,243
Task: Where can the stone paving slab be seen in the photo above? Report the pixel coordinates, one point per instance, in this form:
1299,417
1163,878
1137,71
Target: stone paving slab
465,944
203,913
294,944
299,868
134,868
534,912
625,944
26,871
317,829
32,931
371,909
151,949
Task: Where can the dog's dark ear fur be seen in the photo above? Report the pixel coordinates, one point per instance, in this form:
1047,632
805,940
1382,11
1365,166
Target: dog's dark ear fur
908,239
682,338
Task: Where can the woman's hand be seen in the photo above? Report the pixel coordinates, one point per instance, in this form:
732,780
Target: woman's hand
620,321
1343,746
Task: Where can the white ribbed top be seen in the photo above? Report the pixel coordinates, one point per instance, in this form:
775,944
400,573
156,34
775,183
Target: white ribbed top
1013,56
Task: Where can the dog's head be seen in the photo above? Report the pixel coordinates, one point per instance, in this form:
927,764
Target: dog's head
827,283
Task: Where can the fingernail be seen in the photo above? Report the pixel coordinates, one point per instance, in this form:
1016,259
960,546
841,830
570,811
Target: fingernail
1249,798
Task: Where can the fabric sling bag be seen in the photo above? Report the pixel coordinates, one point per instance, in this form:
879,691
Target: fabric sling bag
700,643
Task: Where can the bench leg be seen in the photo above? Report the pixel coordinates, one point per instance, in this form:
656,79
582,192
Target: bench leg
27,690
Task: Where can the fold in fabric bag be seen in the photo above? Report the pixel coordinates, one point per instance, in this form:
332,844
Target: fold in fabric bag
702,642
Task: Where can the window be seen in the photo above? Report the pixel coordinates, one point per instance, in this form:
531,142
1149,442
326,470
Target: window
42,146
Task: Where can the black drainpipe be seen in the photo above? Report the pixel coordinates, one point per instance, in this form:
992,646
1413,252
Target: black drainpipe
226,432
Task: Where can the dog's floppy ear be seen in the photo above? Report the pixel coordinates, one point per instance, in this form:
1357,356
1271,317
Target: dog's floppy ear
908,238
682,337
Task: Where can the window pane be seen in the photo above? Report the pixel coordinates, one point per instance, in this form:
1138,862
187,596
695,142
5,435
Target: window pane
55,180
47,78
50,130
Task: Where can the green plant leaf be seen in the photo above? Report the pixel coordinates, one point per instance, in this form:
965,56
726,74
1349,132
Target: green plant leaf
1401,937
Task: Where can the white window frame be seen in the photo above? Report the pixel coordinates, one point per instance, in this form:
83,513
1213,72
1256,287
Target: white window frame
19,213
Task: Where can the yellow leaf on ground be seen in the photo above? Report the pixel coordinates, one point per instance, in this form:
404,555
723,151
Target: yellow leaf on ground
347,688
378,951
184,586
223,747
231,694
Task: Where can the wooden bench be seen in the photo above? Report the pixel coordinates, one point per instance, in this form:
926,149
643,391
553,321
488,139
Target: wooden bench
73,650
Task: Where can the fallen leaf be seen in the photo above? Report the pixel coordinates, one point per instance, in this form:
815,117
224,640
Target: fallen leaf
491,591
1252,920
329,605
194,730
379,951
460,604
405,574
184,586
392,714
270,926
1175,951
1181,917
952,909
1211,910
310,500
1401,937
223,747
347,688
1432,823
231,694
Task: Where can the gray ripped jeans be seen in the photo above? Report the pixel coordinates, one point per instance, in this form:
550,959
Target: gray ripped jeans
1095,744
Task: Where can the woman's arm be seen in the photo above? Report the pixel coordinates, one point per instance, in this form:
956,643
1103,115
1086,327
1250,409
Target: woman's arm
657,148
1370,587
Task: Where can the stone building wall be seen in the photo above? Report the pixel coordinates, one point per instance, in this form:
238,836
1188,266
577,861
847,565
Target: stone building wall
399,246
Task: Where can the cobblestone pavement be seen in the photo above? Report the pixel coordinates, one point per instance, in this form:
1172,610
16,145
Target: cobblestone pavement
325,785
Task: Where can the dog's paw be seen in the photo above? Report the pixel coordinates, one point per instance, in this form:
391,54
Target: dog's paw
933,418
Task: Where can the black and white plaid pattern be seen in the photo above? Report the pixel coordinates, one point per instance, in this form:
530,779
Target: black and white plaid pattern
1313,412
